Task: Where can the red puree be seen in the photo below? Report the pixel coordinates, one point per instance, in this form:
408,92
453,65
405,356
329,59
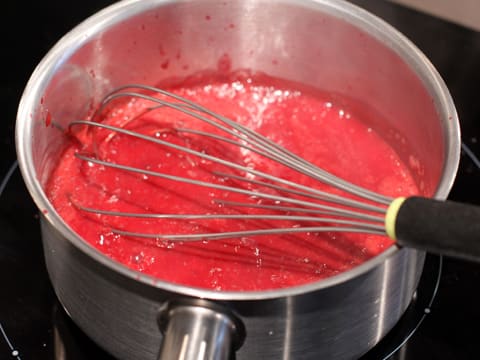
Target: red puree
308,123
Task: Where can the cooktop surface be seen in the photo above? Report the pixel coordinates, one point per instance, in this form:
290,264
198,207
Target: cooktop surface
442,321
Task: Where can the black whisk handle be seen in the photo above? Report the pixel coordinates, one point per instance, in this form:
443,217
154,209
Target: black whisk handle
442,227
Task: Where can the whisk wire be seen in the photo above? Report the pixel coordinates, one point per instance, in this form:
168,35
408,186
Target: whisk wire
247,233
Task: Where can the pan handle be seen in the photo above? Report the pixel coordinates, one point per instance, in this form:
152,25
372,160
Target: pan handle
199,330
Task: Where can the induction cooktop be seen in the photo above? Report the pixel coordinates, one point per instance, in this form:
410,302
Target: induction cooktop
442,321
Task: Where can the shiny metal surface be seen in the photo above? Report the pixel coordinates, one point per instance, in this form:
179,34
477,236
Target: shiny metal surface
327,44
199,330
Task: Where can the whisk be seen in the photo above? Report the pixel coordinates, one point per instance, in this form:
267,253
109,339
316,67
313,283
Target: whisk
442,227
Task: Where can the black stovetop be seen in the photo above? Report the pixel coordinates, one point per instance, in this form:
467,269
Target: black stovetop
446,313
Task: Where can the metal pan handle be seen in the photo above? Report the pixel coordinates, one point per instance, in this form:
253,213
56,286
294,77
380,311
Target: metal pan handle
199,330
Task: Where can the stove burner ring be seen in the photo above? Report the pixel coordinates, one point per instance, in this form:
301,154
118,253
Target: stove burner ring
3,184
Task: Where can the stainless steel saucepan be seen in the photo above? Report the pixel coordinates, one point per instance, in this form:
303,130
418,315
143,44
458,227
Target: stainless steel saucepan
329,44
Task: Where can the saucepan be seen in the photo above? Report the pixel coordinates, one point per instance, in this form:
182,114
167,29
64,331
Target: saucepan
328,44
